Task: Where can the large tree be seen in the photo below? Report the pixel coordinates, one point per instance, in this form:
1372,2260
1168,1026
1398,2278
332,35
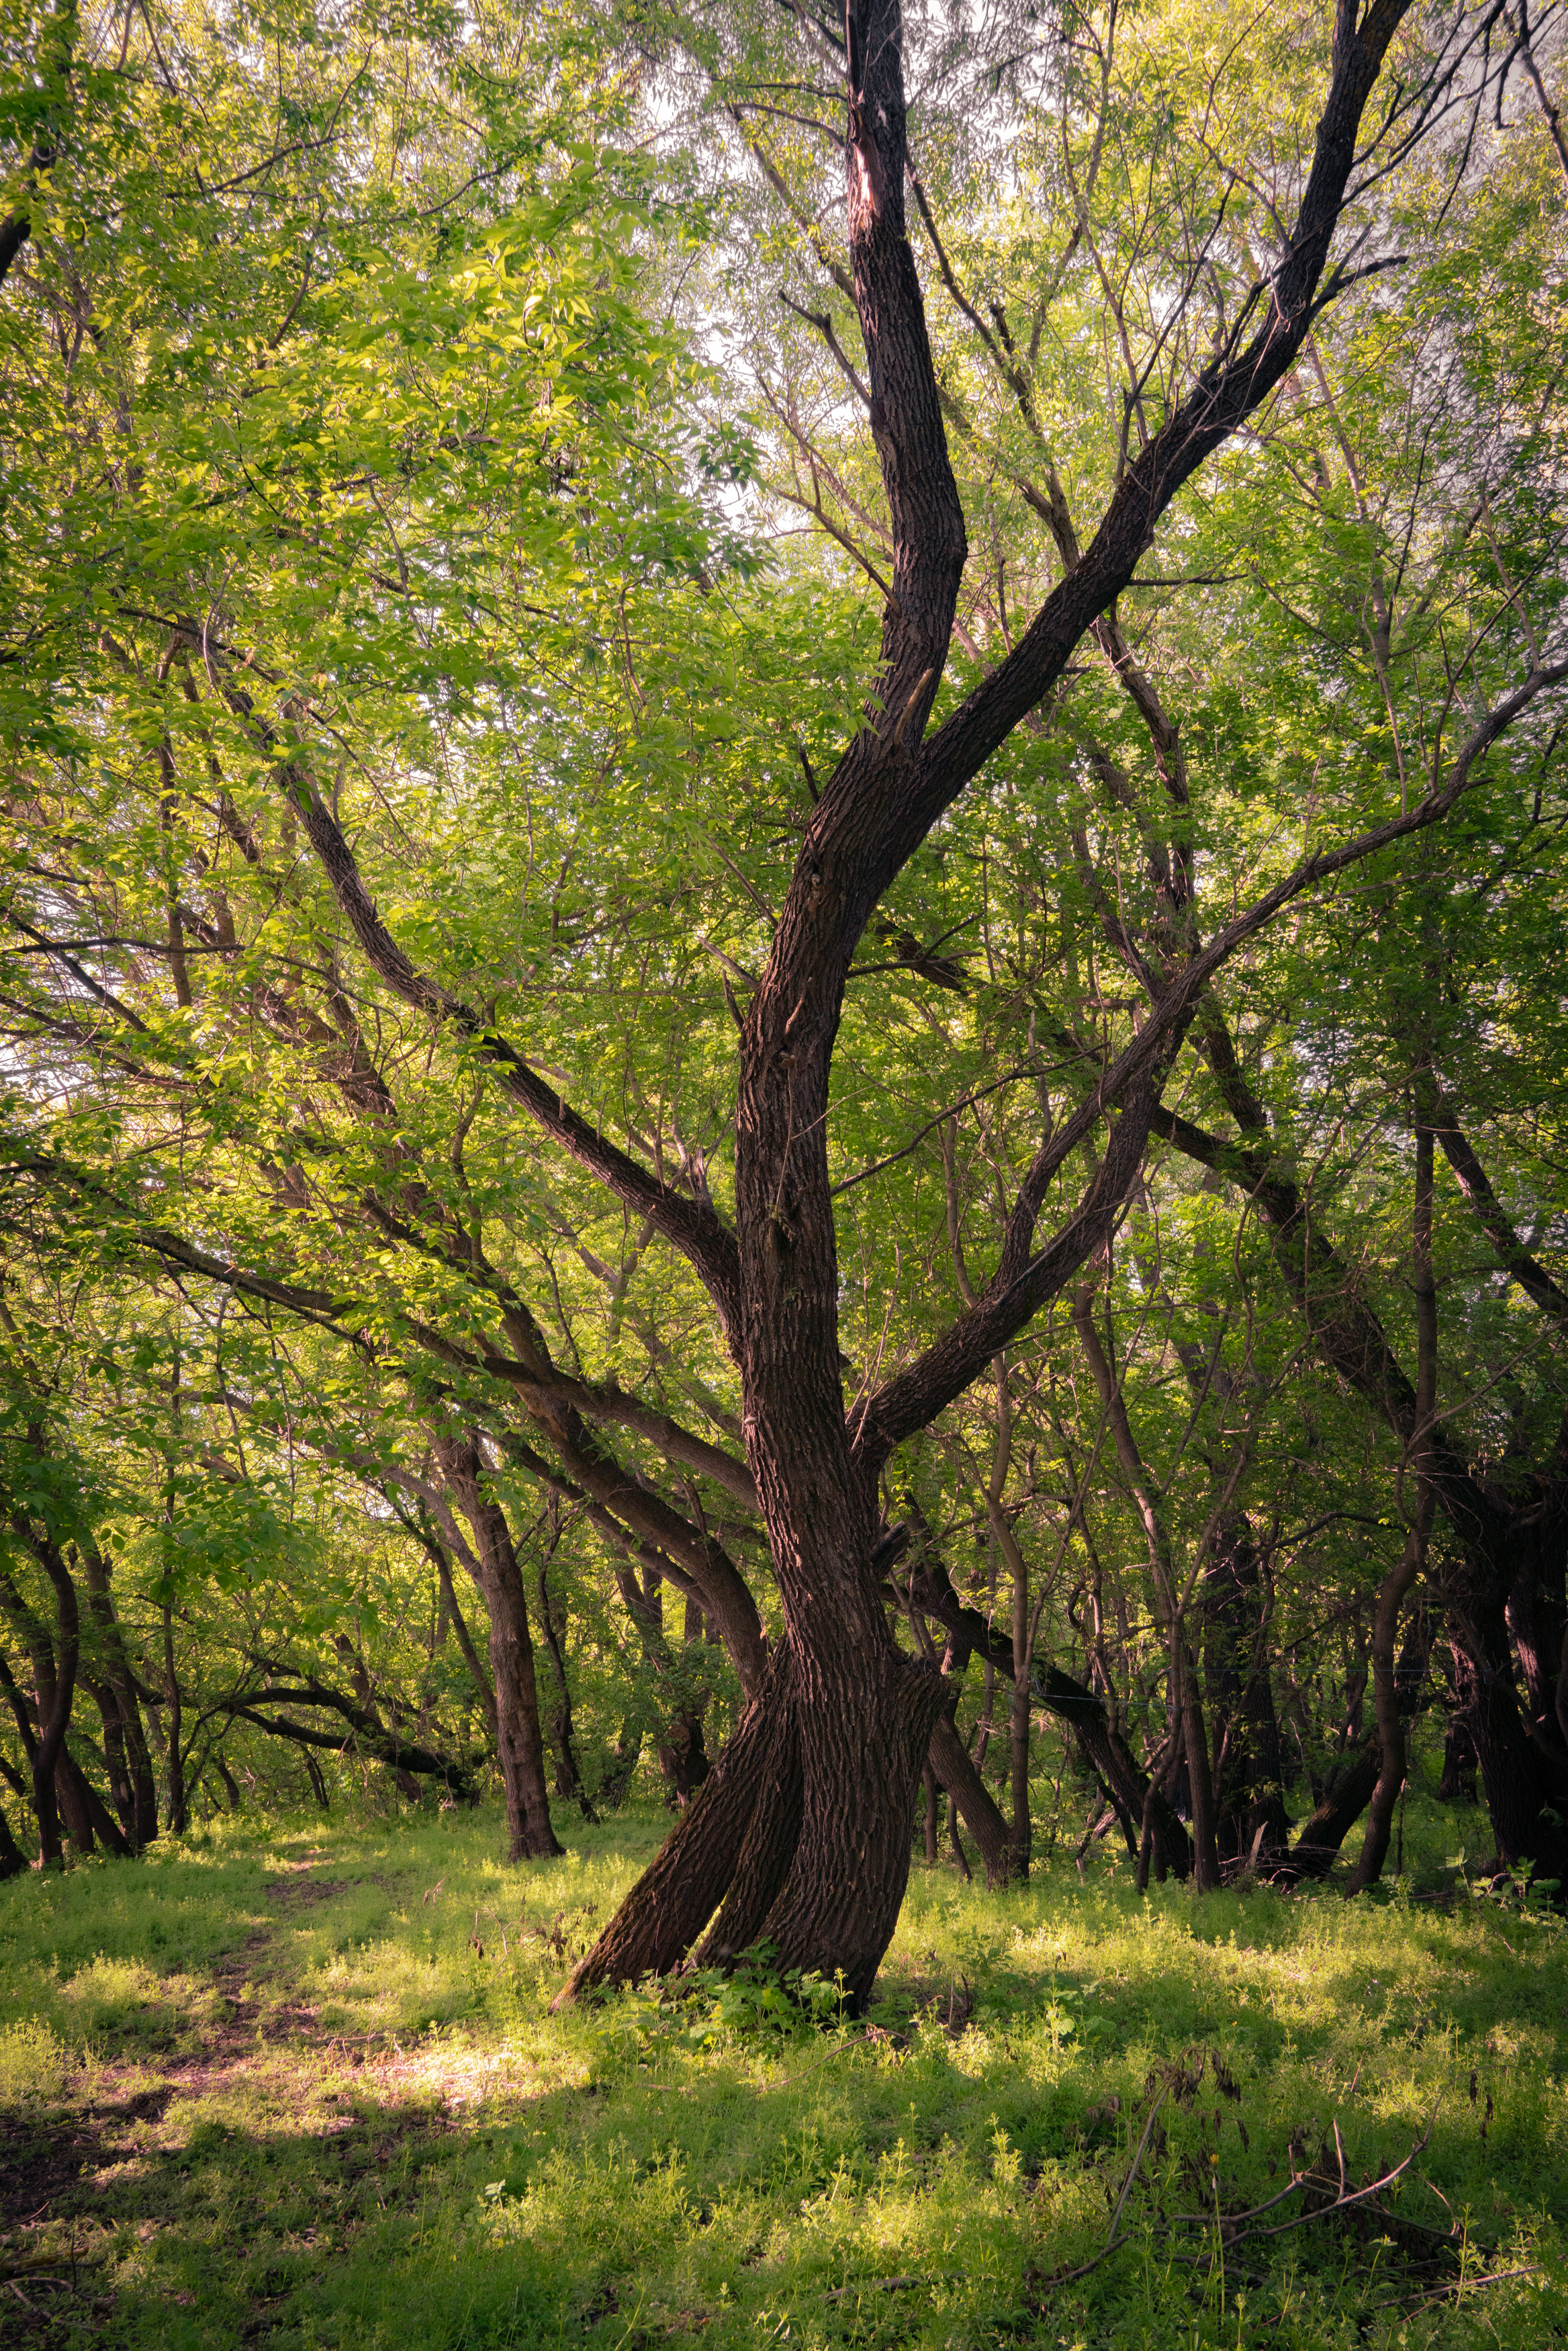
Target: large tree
420,560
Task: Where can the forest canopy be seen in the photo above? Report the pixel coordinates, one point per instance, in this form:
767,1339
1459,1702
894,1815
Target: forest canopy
783,934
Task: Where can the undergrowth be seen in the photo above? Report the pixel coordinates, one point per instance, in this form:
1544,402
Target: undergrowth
299,2085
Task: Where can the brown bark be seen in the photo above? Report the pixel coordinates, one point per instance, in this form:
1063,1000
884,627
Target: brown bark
953,1769
518,1737
675,1895
862,1714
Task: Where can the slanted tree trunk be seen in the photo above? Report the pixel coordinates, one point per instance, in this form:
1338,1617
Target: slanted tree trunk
518,1737
953,1768
1347,1797
1099,1744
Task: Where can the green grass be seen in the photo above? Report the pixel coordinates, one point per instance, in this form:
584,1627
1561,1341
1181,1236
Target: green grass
300,2088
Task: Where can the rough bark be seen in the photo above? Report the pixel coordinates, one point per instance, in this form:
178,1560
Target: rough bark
863,1713
677,1895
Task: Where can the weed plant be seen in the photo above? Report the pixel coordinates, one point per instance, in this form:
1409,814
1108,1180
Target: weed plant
298,2085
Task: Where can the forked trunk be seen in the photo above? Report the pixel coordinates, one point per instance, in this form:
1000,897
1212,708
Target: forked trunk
799,1838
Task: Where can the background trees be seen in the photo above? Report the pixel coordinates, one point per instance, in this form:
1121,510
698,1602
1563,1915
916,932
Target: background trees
543,1054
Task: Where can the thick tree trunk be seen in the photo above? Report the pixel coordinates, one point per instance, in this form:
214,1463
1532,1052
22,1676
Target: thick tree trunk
518,1736
677,1895
81,1805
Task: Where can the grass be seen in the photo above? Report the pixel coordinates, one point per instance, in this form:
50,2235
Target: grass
298,2086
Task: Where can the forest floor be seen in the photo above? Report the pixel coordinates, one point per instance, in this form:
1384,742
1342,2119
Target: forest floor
297,2085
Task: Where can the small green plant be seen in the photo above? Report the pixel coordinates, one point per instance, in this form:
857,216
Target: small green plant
33,2061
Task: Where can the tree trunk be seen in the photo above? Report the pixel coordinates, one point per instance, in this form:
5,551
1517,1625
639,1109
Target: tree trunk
1400,1577
1349,1793
953,1769
80,1802
53,1661
142,1827
1458,1783
568,1771
518,1738
175,1799
13,1860
1251,1823
1100,1745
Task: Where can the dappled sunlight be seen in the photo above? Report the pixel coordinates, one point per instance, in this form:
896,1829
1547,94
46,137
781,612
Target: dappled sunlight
362,2104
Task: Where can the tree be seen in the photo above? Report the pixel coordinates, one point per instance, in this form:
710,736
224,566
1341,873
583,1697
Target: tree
448,582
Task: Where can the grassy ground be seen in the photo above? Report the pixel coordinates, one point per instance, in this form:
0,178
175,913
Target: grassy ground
300,2087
